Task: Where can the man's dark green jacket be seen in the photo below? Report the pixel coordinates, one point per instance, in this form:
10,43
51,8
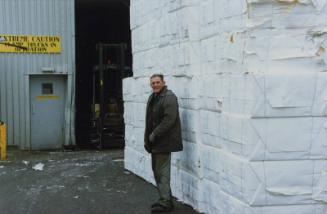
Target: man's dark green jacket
162,119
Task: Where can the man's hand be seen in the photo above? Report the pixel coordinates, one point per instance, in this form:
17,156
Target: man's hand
151,137
147,148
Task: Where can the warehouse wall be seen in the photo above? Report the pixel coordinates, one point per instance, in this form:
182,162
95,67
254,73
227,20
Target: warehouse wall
252,85
34,17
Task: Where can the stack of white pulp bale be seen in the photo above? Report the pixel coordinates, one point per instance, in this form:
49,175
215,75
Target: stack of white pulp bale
251,78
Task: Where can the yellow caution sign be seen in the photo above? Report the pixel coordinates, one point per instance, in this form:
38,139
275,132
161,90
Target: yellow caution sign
3,141
30,44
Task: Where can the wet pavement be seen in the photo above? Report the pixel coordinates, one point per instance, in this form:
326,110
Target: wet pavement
81,182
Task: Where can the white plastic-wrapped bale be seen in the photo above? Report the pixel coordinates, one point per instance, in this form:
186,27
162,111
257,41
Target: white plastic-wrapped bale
251,79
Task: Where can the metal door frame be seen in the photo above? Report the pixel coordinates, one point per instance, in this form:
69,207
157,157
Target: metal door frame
30,76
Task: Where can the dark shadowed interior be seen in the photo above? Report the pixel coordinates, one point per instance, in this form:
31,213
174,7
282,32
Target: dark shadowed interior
106,22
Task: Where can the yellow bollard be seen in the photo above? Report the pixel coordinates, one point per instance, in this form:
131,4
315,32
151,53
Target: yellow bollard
3,141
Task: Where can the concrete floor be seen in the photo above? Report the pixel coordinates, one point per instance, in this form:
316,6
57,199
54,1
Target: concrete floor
89,182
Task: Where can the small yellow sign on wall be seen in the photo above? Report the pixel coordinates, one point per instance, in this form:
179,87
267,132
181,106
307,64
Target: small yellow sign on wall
47,97
30,44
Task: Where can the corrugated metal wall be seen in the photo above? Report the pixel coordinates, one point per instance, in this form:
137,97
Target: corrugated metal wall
34,17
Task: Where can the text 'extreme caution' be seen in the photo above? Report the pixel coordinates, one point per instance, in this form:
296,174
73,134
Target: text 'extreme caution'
30,44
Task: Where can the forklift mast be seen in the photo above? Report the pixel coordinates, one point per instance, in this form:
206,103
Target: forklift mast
107,123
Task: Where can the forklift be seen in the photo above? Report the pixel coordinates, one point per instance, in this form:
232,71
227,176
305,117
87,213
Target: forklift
107,126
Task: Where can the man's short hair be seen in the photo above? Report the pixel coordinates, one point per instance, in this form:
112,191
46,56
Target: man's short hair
161,76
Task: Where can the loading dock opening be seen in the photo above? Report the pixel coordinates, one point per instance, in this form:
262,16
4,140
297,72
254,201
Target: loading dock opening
98,22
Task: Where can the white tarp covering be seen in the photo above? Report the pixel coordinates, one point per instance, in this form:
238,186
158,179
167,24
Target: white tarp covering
251,78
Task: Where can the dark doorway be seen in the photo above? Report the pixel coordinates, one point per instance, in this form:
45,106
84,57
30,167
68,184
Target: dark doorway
98,22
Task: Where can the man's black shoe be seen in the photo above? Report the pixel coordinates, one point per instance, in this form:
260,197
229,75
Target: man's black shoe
155,204
160,209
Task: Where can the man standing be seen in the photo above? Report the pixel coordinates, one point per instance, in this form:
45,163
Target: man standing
162,136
